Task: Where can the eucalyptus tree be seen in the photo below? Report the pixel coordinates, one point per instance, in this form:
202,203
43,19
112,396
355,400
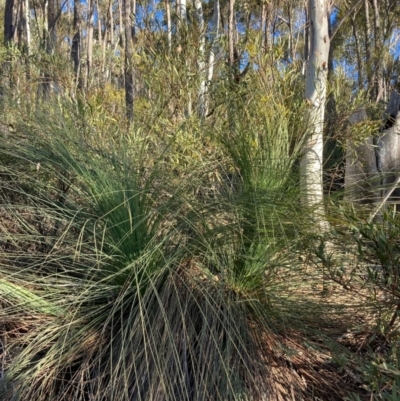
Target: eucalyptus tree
23,30
214,35
8,39
9,22
76,44
51,14
89,39
316,83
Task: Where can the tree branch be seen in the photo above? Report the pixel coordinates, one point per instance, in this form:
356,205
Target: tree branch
340,23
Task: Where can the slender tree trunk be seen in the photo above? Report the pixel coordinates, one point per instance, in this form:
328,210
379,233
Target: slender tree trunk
201,58
169,26
121,24
8,22
213,51
27,29
16,19
21,25
6,81
378,43
104,45
112,31
99,25
182,12
50,41
306,41
111,24
76,45
51,21
263,23
357,45
89,54
181,9
24,33
290,26
367,41
129,89
231,33
316,80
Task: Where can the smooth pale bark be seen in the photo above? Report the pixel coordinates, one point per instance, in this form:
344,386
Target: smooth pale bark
316,80
169,26
110,11
50,41
201,63
99,27
214,48
231,33
27,28
89,49
306,41
206,73
182,12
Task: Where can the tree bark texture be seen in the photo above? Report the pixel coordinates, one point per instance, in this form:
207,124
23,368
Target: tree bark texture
76,45
315,94
8,22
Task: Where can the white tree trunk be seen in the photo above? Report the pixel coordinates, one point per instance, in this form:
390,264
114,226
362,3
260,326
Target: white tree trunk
89,49
201,58
231,32
169,26
316,81
182,11
214,38
206,71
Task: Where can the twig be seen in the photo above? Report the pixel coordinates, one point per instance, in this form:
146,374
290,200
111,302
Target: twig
340,23
383,201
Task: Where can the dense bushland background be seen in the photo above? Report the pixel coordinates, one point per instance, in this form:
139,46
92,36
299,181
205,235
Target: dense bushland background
153,240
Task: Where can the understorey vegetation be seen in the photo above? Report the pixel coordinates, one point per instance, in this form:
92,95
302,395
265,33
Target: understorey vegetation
156,243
